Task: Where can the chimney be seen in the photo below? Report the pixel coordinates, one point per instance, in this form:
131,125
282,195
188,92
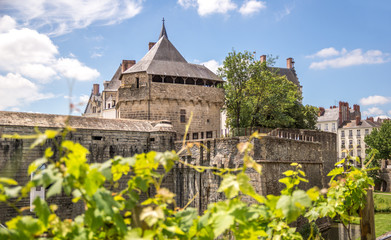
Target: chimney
126,64
263,58
150,45
95,89
321,111
370,119
358,120
290,63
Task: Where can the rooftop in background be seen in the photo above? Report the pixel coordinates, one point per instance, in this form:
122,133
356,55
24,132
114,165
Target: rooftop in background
289,71
362,124
165,60
329,115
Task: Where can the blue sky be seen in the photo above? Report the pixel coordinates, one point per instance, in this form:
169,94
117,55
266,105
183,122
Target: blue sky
50,50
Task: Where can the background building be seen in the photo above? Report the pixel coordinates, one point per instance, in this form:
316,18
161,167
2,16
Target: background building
349,127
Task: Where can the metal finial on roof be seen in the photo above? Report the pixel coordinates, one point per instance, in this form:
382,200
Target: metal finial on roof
163,32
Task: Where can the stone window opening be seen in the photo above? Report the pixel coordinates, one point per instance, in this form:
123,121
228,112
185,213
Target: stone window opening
93,109
157,78
183,116
195,136
202,135
108,106
97,138
113,103
137,82
168,79
209,134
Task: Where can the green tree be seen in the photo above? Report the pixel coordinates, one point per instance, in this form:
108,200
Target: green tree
270,96
379,143
236,71
257,95
380,139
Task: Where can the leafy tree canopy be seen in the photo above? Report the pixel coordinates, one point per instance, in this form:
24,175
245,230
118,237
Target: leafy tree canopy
380,141
257,95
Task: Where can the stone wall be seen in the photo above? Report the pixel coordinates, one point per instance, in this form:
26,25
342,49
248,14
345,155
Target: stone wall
131,137
275,154
105,138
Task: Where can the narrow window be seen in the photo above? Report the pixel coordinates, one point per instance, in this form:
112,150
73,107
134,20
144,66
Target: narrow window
183,115
108,106
209,134
366,132
98,138
202,135
326,127
137,82
113,103
195,135
93,109
343,133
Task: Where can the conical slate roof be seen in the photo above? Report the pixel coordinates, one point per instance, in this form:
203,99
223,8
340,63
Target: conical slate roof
165,60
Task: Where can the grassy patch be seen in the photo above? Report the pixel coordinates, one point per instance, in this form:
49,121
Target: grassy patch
382,202
382,223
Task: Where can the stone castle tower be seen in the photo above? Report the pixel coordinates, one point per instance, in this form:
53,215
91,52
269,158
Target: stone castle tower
164,86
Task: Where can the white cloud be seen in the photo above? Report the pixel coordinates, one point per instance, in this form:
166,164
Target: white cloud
372,100
73,69
212,65
17,91
251,7
187,3
373,111
283,13
96,55
389,113
354,57
62,16
7,23
83,99
28,60
208,7
33,55
381,117
326,52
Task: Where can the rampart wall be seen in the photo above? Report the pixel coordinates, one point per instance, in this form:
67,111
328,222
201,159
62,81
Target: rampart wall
274,153
316,152
122,137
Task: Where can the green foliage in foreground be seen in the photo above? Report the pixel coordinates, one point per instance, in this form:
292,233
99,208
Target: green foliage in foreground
113,213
